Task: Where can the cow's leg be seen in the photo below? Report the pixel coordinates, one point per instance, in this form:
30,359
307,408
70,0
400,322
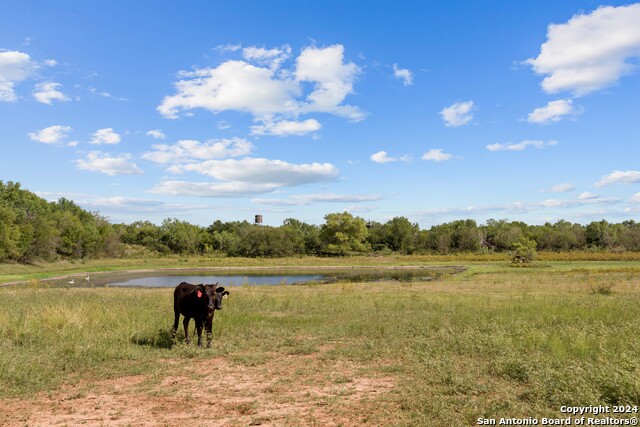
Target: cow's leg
199,329
207,327
185,323
175,323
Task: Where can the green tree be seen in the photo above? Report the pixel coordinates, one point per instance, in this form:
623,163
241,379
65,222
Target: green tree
309,233
342,233
401,235
181,237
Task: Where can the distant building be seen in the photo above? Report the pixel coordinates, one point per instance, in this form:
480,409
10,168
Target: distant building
258,220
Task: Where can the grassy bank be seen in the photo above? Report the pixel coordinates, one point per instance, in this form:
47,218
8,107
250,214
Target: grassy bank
514,342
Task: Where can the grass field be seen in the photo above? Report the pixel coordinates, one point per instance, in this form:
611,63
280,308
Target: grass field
493,342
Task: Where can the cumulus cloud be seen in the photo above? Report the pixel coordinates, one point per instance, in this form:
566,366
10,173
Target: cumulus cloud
590,51
51,134
97,161
15,67
233,85
520,145
403,74
619,177
635,198
383,157
156,133
553,112
458,114
436,155
47,92
260,86
105,136
286,127
191,150
308,199
333,80
246,176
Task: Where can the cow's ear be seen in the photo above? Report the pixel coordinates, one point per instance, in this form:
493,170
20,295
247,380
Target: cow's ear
220,289
225,293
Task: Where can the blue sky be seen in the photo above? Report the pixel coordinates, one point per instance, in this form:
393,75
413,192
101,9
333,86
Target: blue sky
221,110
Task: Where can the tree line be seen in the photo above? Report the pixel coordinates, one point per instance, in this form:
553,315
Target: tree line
33,229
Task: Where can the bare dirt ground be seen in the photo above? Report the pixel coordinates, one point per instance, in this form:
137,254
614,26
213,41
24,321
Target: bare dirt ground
292,390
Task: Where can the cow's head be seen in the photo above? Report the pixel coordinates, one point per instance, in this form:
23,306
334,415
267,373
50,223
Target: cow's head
205,296
217,293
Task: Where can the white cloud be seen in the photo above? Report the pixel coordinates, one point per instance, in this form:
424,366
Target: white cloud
51,134
223,124
588,196
247,176
119,204
635,198
190,150
286,127
92,90
553,112
47,92
436,155
259,170
266,91
402,73
307,199
105,136
14,67
383,157
211,189
520,146
619,177
229,47
333,80
590,51
519,207
457,114
272,58
233,85
560,188
156,133
97,161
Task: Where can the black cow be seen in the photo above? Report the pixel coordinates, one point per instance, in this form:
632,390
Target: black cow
198,302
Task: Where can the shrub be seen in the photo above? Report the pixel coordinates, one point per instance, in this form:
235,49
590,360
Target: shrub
524,251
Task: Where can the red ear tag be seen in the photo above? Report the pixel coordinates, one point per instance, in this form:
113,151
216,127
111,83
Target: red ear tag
199,294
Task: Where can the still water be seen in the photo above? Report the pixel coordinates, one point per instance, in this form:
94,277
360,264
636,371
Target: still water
170,278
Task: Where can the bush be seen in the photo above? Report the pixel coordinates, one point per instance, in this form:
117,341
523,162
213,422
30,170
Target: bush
524,251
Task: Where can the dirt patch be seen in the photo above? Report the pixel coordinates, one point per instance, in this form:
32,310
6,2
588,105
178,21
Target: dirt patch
290,390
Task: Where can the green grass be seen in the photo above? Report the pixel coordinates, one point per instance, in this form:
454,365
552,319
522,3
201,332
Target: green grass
504,342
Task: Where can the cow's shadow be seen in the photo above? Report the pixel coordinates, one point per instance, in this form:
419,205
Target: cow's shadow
162,338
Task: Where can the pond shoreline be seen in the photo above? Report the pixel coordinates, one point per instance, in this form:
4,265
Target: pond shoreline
326,268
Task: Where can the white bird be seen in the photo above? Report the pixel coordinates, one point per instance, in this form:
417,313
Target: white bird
86,279
72,281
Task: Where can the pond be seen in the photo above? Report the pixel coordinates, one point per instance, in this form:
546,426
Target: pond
254,277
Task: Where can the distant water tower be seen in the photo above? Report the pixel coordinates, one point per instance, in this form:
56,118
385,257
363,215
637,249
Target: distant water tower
258,220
